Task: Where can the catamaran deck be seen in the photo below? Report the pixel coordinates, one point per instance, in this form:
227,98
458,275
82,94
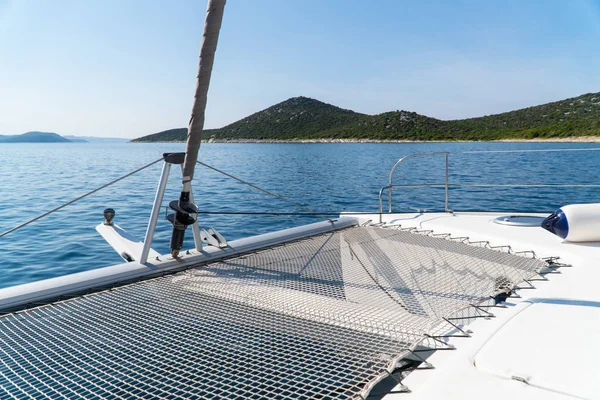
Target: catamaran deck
323,316
542,345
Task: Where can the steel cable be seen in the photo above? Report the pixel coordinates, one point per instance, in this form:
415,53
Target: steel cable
265,191
78,198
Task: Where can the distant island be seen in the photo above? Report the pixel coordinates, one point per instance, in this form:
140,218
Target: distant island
302,118
95,139
75,139
34,137
51,137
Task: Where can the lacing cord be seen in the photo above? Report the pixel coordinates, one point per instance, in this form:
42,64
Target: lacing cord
308,210
78,198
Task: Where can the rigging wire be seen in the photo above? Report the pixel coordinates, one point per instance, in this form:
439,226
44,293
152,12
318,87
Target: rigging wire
78,198
284,213
266,191
263,213
308,211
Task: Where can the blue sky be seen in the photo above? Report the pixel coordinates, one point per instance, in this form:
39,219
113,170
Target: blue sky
122,68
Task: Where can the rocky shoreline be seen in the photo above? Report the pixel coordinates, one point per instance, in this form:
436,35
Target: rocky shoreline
571,139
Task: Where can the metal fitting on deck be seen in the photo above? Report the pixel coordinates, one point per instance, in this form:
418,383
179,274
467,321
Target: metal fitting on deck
109,214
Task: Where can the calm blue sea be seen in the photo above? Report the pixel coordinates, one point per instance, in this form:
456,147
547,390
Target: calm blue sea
324,177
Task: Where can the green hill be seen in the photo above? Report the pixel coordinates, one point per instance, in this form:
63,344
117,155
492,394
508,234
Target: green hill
302,118
295,118
171,135
577,116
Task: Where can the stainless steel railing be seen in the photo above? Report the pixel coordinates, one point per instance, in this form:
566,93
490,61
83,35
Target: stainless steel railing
390,186
446,185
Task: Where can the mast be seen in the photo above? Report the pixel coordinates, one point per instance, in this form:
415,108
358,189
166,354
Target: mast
210,37
184,209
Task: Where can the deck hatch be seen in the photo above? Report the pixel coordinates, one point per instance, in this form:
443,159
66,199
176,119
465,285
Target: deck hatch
324,317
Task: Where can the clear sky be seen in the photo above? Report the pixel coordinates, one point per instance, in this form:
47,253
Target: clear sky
123,68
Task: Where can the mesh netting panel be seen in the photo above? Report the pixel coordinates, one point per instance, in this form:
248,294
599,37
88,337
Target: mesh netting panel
321,318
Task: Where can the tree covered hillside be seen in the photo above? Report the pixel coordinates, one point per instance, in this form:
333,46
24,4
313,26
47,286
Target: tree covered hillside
578,116
302,118
295,118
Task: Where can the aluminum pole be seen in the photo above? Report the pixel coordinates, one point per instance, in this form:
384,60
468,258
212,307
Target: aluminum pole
158,198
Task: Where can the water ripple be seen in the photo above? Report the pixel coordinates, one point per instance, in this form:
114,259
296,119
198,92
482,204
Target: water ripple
324,177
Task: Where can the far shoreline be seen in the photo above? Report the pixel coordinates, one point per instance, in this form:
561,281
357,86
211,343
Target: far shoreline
570,139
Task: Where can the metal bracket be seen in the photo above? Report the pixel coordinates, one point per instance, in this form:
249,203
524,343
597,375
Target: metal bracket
213,238
169,159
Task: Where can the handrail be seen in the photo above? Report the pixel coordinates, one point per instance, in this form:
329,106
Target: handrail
391,185
446,185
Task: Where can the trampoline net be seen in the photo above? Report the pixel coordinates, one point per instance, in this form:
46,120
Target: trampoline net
321,318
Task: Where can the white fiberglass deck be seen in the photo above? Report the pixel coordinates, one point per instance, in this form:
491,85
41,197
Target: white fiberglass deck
324,317
541,346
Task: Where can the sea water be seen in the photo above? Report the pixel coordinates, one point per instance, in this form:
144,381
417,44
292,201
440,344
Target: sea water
324,177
